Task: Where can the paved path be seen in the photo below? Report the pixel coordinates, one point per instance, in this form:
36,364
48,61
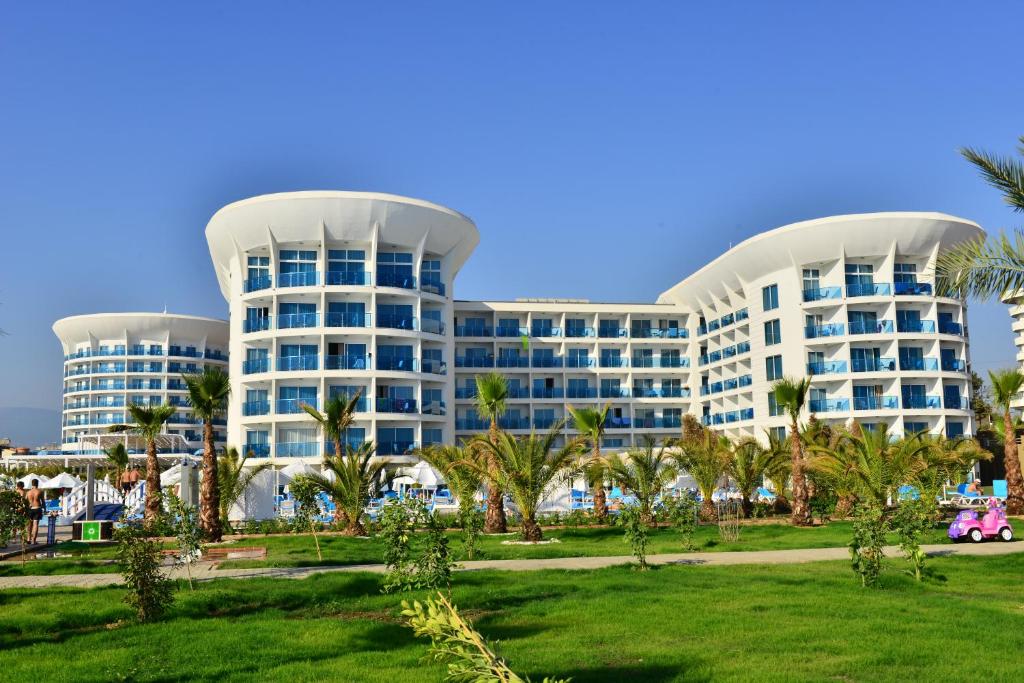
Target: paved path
206,571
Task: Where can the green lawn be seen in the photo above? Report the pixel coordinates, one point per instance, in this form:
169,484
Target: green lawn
299,551
808,622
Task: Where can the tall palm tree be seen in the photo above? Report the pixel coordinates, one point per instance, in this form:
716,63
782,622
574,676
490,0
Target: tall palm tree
1006,384
526,467
791,395
645,472
707,461
590,423
748,461
491,395
339,414
148,422
877,464
208,393
233,478
981,268
117,456
349,482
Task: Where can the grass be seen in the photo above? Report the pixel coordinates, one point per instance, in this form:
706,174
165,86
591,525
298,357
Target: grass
808,622
299,551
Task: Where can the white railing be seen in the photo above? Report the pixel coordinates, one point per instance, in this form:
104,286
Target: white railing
73,504
135,501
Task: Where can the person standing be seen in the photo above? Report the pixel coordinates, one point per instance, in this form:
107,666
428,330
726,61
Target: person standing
36,502
126,480
134,477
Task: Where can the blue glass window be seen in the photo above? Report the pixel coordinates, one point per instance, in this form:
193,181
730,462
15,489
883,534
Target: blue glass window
773,367
772,333
769,297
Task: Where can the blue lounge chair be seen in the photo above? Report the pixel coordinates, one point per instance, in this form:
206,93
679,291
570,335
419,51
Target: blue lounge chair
999,489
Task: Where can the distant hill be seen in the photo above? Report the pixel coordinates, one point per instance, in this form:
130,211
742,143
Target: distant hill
30,426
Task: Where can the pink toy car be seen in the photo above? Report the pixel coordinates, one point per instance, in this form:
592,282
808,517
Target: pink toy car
992,525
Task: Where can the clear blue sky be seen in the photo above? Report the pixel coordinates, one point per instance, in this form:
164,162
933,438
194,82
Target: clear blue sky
605,150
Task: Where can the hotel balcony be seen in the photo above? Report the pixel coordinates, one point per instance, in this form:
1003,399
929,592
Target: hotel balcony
875,403
341,277
346,362
870,327
830,367
869,289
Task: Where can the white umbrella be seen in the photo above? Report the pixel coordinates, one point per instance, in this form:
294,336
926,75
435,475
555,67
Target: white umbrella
404,480
27,479
425,475
296,468
61,481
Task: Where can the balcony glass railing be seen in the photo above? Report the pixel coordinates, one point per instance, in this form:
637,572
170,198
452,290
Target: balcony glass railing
435,408
612,332
346,362
870,326
547,392
294,363
513,422
255,284
518,392
921,402
829,405
474,331
339,319
395,447
293,406
581,392
657,422
399,280
673,362
465,424
397,322
873,364
255,365
617,392
257,450
474,361
256,324
293,320
509,331
432,285
912,288
869,289
297,449
643,361
659,333
829,367
953,365
543,331
950,327
875,403
432,326
580,362
927,326
613,362
465,392
957,402
547,362
919,364
256,408
354,278
513,362
612,422
577,332
396,405
544,422
819,293
398,364
310,279
819,331
434,366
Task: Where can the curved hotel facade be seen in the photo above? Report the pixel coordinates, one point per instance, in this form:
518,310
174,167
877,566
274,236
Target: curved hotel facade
336,292
112,360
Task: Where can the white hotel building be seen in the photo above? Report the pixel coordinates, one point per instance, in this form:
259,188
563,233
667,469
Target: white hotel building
112,360
334,292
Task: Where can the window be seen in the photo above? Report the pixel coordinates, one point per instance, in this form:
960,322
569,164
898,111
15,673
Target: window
812,279
774,409
394,269
773,367
772,333
954,430
430,277
778,433
769,297
346,267
259,267
914,427
905,273
432,437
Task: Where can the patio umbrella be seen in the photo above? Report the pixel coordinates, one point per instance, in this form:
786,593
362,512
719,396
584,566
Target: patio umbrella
425,475
27,479
298,468
61,481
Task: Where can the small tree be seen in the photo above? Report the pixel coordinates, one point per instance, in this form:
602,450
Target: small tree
462,469
397,523
637,532
188,533
13,518
307,510
911,520
434,566
644,472
150,593
454,642
682,515
866,546
353,476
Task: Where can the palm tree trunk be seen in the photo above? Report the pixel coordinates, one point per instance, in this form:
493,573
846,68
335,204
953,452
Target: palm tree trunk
531,530
152,482
747,506
844,506
600,502
801,509
354,526
1011,462
209,497
495,522
707,509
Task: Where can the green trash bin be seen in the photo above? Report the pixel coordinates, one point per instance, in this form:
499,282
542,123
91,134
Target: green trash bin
94,531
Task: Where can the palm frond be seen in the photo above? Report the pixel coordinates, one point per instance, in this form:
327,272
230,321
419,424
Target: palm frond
491,394
1003,173
981,268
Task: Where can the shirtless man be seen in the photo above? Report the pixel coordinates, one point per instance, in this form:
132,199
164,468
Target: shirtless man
126,480
133,478
36,502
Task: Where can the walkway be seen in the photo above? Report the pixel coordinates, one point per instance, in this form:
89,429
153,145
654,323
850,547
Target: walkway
206,571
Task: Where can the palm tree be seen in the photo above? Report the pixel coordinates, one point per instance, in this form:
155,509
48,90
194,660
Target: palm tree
148,422
349,483
747,464
339,414
525,467
645,472
234,478
590,423
779,469
707,461
977,267
491,394
117,456
1006,384
877,464
461,468
790,395
948,459
208,395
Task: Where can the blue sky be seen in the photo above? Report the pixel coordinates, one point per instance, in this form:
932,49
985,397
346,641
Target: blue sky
605,150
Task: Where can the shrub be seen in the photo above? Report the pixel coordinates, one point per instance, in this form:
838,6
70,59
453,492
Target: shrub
397,523
912,519
307,509
150,593
434,565
472,522
682,515
869,528
455,643
13,516
634,523
188,534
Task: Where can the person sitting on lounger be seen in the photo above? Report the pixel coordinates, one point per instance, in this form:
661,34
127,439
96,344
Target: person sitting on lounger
975,488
